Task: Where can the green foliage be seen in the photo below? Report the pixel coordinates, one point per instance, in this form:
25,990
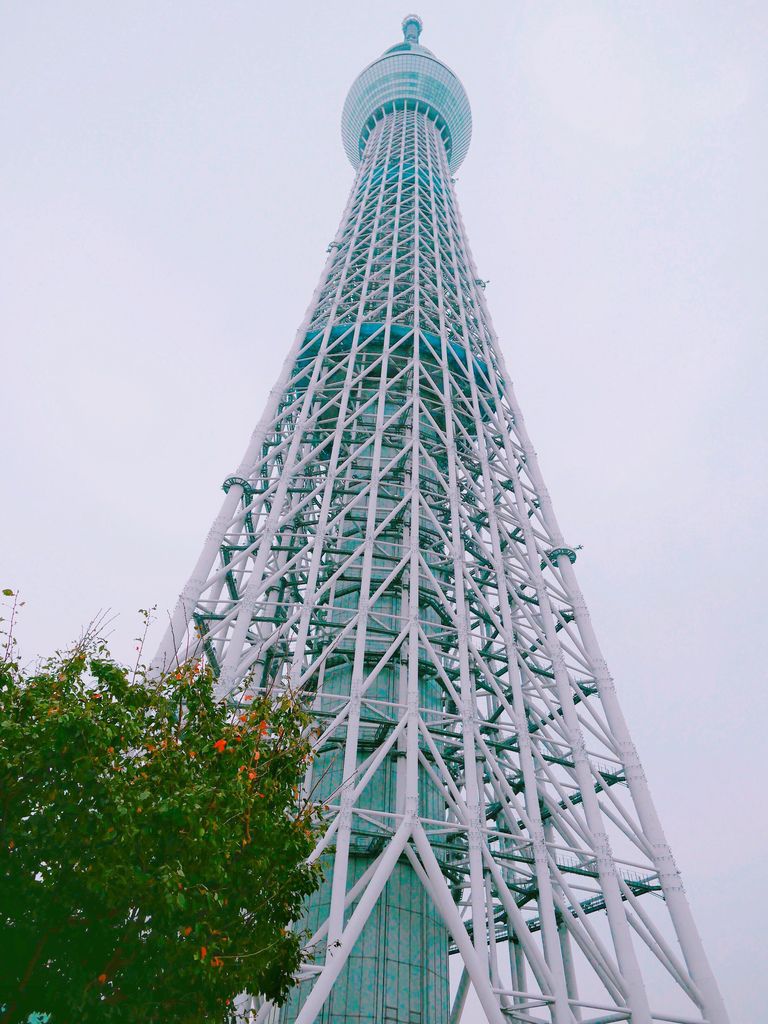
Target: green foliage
152,850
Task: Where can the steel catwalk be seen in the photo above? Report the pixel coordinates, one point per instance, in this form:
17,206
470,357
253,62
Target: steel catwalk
388,550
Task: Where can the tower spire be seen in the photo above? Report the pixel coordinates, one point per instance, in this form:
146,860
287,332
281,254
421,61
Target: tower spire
412,27
388,551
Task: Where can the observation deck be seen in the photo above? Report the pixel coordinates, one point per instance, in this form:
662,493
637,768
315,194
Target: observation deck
405,73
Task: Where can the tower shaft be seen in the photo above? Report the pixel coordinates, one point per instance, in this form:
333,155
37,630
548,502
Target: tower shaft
388,550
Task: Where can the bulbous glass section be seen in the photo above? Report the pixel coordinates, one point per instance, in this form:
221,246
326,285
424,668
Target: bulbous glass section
407,74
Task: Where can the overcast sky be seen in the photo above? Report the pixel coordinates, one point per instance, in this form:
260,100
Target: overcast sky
170,176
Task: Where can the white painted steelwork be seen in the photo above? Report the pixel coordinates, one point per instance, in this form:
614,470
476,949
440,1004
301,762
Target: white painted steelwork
388,549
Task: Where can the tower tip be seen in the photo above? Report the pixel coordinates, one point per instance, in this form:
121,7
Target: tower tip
412,26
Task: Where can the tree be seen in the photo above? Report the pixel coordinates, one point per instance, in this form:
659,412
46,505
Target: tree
152,845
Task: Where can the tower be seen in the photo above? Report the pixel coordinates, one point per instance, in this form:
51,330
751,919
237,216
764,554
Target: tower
388,550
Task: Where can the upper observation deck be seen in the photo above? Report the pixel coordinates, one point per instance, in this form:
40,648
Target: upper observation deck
405,73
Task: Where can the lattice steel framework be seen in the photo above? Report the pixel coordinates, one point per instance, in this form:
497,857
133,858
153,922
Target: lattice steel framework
388,548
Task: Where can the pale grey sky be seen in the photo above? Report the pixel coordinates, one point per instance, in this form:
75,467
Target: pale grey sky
170,175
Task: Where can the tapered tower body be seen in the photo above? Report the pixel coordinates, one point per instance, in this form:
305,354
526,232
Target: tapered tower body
387,549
